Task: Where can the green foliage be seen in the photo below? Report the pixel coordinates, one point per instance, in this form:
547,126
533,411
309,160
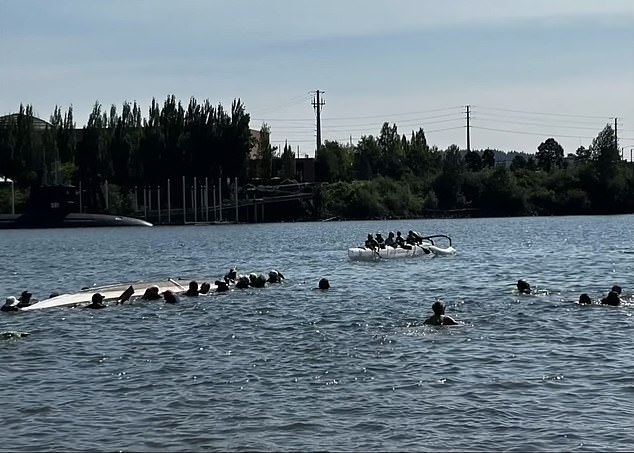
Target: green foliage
473,161
501,195
519,163
488,158
416,154
368,158
390,175
381,197
265,152
549,155
583,154
288,163
334,162
604,147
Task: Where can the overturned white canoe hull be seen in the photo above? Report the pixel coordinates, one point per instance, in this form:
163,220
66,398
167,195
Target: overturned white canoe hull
110,293
425,250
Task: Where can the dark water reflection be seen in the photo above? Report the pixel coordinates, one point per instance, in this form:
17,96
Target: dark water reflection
293,368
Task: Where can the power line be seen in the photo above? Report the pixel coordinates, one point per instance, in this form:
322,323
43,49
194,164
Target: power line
386,115
532,124
552,120
530,133
284,119
443,129
544,113
293,101
400,124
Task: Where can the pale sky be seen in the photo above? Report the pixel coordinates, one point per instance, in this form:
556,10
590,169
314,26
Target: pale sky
529,69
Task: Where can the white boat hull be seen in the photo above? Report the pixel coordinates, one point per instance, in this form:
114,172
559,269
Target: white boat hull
110,293
425,250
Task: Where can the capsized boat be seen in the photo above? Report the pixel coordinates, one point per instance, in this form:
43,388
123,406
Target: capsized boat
110,293
427,249
55,207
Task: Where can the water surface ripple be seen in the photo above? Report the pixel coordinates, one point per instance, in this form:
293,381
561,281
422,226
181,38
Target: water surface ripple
290,368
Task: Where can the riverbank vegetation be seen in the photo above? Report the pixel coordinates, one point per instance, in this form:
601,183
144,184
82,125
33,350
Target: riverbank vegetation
391,175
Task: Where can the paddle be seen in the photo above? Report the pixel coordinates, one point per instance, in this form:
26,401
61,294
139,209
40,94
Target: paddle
125,295
176,283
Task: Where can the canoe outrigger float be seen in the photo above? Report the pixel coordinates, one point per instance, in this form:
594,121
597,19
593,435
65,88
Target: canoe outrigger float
427,248
114,292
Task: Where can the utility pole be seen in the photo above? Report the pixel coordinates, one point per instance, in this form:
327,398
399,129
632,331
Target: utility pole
468,128
616,139
317,105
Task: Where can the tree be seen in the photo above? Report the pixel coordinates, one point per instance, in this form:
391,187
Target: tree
238,141
367,158
582,154
288,162
473,161
488,158
604,147
550,154
448,182
333,162
501,194
417,157
392,155
519,163
91,155
265,152
610,181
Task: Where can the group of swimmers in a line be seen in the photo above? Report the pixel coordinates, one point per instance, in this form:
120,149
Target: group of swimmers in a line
378,242
231,280
439,318
613,297
235,280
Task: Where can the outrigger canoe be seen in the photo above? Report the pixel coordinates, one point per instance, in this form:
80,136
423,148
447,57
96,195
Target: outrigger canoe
110,293
426,249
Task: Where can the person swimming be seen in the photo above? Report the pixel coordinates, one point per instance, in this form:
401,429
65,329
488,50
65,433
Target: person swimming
192,291
205,287
242,282
612,299
584,299
523,287
170,297
231,276
324,283
97,301
221,286
152,293
10,304
257,280
10,334
275,277
439,318
25,299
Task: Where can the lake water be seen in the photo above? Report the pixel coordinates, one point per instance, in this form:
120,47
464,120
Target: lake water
289,367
